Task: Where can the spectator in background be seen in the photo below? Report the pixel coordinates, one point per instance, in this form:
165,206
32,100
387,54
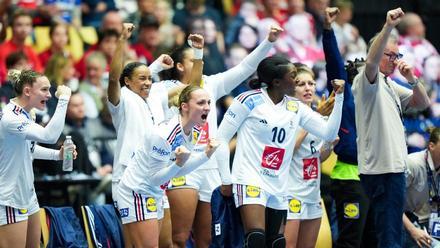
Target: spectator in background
301,44
66,11
90,129
247,37
16,60
107,40
412,42
58,33
21,27
112,20
317,9
379,106
60,71
350,43
274,10
148,39
170,36
422,201
297,7
198,9
93,11
144,7
247,15
214,49
93,86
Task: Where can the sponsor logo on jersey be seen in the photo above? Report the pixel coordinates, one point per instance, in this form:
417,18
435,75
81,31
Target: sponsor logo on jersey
252,192
178,181
310,168
231,113
202,135
151,204
272,157
23,125
22,211
351,210
292,106
160,151
269,173
295,206
124,212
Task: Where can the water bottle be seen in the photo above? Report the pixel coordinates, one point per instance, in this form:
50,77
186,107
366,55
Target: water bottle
68,154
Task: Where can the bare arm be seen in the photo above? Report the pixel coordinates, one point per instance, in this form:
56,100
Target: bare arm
420,98
376,50
197,43
116,66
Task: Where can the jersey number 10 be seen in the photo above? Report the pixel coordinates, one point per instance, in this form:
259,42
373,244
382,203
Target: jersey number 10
278,135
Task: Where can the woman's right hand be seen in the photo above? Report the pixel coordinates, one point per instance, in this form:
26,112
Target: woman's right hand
338,86
421,237
211,147
182,155
63,90
196,41
274,33
127,30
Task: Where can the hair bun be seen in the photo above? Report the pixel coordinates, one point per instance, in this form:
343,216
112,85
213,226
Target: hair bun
14,76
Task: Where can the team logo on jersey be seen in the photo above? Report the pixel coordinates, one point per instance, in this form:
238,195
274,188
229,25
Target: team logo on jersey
295,206
292,106
17,110
252,192
124,212
272,157
178,181
202,135
310,168
151,204
22,211
351,210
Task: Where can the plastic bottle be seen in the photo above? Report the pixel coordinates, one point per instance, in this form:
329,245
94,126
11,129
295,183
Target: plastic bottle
68,154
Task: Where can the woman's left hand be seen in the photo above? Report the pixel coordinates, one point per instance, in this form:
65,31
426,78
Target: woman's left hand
75,154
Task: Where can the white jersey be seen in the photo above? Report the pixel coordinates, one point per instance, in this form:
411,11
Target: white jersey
219,85
266,137
133,117
153,163
18,136
305,171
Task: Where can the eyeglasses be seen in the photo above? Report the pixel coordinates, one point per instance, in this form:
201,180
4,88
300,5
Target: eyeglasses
393,56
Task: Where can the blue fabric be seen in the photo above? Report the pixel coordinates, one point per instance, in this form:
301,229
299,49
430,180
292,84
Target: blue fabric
386,193
65,229
346,149
107,227
226,228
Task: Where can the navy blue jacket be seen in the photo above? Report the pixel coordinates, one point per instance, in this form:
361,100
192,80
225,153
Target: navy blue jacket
346,149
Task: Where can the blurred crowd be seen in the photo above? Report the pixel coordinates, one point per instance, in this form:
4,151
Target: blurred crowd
73,41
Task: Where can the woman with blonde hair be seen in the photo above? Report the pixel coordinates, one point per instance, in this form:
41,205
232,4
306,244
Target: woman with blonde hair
19,134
